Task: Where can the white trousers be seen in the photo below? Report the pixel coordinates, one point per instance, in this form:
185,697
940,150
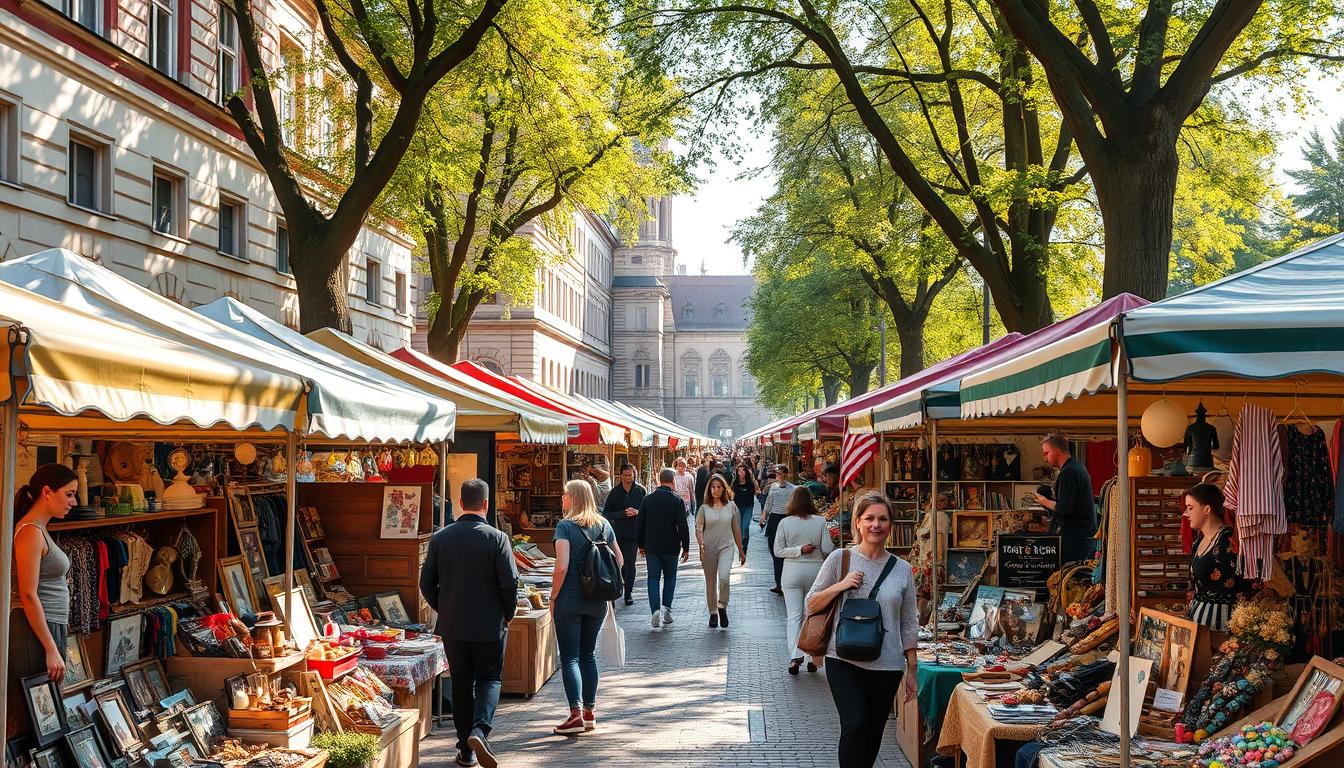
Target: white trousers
718,567
796,580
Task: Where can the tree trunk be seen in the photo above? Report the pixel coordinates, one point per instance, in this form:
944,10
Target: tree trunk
911,336
322,283
1136,190
445,339
860,378
830,387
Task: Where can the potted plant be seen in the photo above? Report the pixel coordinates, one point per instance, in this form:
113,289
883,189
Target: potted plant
350,749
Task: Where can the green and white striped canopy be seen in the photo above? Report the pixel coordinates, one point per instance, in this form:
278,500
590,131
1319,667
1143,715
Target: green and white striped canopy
1279,319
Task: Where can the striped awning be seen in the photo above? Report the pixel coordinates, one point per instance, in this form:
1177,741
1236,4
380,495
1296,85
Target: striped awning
1278,319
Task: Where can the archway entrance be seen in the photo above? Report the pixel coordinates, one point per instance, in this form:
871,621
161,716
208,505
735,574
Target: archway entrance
725,427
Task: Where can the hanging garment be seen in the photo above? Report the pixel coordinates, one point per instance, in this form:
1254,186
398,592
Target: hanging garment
1110,510
1308,487
1254,489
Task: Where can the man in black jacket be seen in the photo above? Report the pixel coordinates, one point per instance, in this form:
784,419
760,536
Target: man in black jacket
702,481
1074,516
662,530
622,511
471,580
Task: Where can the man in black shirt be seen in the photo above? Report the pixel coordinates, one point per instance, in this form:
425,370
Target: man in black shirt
622,511
702,481
1074,515
663,533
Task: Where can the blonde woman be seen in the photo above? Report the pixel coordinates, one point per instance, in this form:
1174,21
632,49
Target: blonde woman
577,619
718,530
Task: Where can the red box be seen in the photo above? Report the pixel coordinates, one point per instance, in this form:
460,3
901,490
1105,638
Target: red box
331,669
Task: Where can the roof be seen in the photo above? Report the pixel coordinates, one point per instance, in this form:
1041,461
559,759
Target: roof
635,281
718,302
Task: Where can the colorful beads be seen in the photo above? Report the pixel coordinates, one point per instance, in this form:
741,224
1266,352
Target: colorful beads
1253,746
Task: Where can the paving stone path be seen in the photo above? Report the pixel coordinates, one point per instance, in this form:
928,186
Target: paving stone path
688,695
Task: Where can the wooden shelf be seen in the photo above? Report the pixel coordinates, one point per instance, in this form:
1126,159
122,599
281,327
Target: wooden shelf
171,597
143,517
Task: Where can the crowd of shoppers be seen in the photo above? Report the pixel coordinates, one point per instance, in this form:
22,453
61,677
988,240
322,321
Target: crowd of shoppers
469,577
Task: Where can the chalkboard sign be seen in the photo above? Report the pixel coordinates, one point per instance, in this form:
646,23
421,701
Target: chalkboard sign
1026,560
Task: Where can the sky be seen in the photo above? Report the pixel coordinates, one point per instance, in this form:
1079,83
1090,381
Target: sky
703,221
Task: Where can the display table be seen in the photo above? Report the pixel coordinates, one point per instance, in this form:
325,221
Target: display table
530,655
399,744
917,728
968,728
407,670
544,538
205,675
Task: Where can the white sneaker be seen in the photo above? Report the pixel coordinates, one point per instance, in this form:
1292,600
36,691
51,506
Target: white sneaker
667,615
657,619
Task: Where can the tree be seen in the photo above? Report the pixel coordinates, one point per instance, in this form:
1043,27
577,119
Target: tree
812,329
548,118
1322,181
951,102
1127,77
386,58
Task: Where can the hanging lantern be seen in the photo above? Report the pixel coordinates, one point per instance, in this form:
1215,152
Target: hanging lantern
1140,460
1164,423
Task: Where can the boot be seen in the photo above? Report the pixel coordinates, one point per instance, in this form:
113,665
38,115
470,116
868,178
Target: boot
589,721
573,725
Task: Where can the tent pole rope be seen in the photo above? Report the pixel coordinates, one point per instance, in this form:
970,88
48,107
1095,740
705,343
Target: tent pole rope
10,415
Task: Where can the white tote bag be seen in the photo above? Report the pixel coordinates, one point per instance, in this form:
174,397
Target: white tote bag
611,641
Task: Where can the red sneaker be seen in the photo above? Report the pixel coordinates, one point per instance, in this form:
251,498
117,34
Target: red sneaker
572,726
589,721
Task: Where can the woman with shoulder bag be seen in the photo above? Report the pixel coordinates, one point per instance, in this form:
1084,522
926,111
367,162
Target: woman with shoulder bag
876,631
577,618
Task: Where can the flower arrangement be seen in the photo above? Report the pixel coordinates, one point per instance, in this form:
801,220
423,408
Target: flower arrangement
1260,639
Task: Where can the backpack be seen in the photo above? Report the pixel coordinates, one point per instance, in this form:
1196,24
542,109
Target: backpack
859,632
601,578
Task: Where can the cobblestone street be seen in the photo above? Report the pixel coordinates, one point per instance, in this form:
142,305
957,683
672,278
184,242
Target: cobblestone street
688,695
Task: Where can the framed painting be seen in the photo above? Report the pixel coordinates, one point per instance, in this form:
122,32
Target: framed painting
1312,704
77,672
44,708
237,585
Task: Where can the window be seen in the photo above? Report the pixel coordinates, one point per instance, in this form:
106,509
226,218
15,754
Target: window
641,376
282,249
748,384
643,314
688,312
287,92
692,384
232,226
401,292
9,141
226,75
161,36
166,213
720,384
88,174
84,12
373,282
721,312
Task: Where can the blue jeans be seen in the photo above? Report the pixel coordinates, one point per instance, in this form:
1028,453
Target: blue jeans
660,566
745,514
576,635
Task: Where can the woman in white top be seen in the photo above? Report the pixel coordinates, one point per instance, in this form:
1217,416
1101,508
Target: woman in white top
718,529
803,542
865,690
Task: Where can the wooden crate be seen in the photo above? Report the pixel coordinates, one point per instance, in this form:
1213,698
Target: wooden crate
399,744
266,718
530,656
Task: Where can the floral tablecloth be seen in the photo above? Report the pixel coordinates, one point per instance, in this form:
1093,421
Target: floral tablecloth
415,663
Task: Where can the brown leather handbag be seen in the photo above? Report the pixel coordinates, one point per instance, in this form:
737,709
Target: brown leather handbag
815,636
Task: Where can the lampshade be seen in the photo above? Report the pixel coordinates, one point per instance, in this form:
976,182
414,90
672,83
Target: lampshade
1164,423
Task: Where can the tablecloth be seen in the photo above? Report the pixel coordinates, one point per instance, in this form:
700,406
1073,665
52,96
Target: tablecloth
936,683
409,671
969,727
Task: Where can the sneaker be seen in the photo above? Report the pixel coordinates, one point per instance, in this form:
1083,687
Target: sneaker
572,726
657,619
713,621
589,721
480,747
629,601
466,759
667,615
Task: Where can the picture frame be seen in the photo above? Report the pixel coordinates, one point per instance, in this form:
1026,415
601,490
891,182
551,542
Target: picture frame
303,629
236,581
83,746
123,642
310,523
390,606
44,708
71,703
241,509
249,543
233,686
963,565
118,722
400,517
1312,703
19,752
144,694
77,673
1024,496
205,726
1020,617
48,758
972,529
178,701
368,603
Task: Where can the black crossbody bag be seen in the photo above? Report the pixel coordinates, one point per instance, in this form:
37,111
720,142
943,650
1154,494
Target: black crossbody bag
859,631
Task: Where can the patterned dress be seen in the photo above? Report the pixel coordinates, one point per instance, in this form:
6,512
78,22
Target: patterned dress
1308,487
1217,585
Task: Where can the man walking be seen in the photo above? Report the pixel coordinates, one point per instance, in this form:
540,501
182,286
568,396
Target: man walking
662,531
622,511
702,481
772,513
470,578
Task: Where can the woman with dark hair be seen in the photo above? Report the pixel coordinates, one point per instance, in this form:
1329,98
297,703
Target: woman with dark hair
803,542
40,569
744,496
1213,566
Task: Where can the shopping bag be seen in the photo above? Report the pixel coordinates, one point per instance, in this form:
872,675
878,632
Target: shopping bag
611,641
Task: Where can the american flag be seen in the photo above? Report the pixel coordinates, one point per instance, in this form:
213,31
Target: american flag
855,453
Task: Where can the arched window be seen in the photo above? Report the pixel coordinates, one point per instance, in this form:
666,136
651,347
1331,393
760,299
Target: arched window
688,312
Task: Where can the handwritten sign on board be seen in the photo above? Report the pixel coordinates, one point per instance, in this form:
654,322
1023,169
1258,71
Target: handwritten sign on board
1027,560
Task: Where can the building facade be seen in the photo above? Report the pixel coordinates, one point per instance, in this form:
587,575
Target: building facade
114,144
628,323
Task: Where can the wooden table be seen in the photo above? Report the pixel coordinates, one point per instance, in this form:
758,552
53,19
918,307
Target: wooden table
530,655
968,728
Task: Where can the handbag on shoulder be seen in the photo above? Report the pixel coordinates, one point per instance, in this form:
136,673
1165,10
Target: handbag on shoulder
814,638
859,632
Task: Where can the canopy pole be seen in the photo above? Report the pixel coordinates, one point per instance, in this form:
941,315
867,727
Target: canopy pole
10,415
291,507
1122,486
933,529
445,515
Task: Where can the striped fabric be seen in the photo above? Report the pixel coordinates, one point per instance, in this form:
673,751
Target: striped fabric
1254,490
1212,615
855,453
